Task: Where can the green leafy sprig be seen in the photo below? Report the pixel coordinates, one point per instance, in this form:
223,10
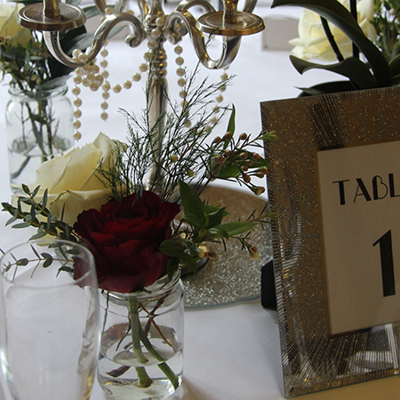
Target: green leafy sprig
43,259
36,214
203,223
32,67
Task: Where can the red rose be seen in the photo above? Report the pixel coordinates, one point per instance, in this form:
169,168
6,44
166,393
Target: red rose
125,237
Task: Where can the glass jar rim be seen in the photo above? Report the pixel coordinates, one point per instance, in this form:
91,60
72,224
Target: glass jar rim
162,286
39,92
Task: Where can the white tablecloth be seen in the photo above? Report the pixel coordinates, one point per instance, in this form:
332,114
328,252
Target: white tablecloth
231,353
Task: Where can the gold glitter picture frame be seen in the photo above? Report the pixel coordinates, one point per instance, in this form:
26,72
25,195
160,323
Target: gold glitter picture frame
313,360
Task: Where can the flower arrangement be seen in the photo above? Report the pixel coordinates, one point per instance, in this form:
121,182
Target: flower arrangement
38,128
24,56
313,42
375,72
137,205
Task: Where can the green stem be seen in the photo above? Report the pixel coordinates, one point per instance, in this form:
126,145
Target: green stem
143,379
163,365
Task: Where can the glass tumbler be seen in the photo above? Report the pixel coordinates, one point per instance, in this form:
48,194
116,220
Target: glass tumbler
49,320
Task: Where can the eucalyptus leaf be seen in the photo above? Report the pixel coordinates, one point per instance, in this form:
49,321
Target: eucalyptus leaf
44,200
21,225
35,191
22,262
26,201
48,261
65,268
11,220
25,188
34,250
38,235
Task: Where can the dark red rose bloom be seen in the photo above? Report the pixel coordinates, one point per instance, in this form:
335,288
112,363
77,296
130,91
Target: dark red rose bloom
125,237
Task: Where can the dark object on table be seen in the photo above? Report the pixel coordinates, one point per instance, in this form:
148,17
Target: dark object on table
268,292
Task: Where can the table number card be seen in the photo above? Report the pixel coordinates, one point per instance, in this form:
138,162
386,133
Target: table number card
360,213
334,185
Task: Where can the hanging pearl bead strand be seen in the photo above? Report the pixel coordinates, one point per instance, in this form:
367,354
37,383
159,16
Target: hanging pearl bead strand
95,76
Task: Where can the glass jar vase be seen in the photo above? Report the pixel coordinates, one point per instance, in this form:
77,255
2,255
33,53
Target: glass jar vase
39,127
141,354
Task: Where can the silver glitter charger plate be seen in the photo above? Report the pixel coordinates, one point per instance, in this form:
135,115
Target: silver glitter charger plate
233,277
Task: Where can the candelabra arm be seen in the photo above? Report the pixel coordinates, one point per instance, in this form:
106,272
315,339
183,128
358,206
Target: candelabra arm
249,5
230,45
144,8
186,5
52,39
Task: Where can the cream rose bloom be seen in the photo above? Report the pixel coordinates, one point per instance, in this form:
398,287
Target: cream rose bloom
71,180
12,32
313,43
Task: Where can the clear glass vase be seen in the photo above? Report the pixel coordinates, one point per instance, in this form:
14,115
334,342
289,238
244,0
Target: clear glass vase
141,355
39,127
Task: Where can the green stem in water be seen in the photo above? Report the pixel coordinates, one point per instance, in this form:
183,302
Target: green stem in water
163,365
143,379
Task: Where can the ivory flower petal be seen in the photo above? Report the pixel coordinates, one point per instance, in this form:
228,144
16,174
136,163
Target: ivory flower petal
75,202
10,30
312,41
71,179
76,169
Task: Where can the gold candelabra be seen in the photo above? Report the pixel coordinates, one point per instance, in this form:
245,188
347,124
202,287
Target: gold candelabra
51,17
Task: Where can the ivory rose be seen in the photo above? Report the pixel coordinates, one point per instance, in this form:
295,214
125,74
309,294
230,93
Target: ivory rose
312,41
10,31
71,179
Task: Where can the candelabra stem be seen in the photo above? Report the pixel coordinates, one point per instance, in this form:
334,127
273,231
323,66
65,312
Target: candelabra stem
156,88
157,94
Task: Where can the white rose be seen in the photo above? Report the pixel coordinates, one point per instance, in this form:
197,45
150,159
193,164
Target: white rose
313,43
12,32
71,179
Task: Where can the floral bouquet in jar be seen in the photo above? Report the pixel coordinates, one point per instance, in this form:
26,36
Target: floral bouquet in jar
39,115
138,207
358,38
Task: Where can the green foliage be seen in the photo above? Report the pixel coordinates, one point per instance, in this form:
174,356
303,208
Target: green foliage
34,212
32,67
43,260
184,162
202,224
379,70
181,161
187,151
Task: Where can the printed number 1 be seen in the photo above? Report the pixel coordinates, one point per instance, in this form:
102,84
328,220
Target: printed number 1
386,250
